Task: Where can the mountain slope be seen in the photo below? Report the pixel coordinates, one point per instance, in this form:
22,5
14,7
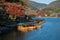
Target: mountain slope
53,8
35,5
54,4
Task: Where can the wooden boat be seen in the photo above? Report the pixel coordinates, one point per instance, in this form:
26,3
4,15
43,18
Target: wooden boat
26,28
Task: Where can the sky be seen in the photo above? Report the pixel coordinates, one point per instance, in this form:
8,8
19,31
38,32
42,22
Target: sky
44,1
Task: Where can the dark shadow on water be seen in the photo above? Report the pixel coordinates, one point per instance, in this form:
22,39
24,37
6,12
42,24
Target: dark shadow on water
15,35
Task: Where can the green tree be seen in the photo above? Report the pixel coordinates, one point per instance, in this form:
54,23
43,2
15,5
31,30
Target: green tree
12,0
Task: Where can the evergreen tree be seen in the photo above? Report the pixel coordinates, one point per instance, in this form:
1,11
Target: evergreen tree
16,1
12,0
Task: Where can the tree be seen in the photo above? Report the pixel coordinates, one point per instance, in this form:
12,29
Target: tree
12,0
26,2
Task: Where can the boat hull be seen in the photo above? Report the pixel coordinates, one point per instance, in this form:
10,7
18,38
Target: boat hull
29,28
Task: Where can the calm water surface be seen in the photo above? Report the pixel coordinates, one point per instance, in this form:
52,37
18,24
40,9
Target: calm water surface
50,31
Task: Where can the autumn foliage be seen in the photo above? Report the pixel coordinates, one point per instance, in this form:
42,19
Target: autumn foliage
14,9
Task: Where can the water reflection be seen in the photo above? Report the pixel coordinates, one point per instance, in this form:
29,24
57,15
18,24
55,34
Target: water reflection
49,31
15,35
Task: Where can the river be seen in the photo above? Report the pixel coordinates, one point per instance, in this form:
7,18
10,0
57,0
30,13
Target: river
50,31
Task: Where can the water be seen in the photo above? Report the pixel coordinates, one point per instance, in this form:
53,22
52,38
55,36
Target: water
50,31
